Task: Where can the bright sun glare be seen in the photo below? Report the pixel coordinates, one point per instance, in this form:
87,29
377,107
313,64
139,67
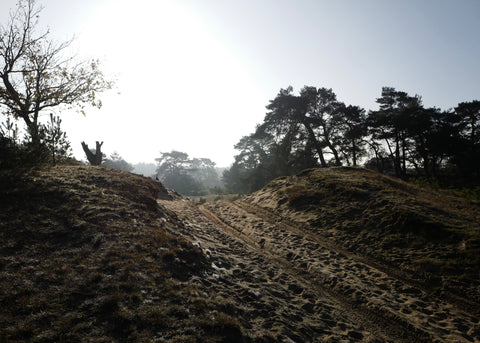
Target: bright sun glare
176,83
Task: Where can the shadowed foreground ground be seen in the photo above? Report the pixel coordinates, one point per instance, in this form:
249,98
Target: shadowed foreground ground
93,254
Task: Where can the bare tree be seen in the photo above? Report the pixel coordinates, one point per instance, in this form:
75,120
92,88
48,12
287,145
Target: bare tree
36,74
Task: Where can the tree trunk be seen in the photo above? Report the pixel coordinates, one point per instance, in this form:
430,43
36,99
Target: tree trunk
354,153
404,156
426,166
434,166
94,159
396,161
318,147
378,159
326,134
335,153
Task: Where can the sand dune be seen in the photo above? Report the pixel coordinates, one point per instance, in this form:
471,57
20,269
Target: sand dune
291,281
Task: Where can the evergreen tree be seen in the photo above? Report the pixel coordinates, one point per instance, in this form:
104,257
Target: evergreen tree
390,125
350,124
467,154
56,139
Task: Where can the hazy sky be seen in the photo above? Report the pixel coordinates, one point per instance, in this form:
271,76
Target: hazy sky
196,75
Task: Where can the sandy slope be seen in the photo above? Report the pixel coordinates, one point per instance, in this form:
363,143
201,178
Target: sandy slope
292,285
93,254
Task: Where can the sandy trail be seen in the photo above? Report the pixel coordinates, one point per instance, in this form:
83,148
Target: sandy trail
293,286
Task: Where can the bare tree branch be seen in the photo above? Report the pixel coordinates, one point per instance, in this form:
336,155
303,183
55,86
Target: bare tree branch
36,73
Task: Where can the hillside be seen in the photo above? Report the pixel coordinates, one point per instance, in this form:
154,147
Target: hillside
329,255
344,255
85,256
432,237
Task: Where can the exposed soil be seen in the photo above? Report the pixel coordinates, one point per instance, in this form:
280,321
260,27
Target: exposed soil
292,285
430,237
295,281
337,255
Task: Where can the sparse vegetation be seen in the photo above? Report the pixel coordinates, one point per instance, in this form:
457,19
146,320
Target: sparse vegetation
405,257
86,254
91,253
53,147
429,233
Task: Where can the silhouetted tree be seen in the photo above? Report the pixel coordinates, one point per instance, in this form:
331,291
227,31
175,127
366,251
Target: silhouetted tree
294,130
322,104
288,110
94,158
351,130
379,160
254,150
401,136
9,130
469,118
234,179
467,122
432,137
10,151
390,124
315,110
56,139
53,144
36,75
268,153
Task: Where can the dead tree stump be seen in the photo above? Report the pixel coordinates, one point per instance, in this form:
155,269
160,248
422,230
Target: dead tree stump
95,159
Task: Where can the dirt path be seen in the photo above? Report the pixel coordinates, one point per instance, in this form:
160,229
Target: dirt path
292,286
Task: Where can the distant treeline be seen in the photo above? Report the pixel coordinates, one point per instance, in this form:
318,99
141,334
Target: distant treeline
402,138
187,176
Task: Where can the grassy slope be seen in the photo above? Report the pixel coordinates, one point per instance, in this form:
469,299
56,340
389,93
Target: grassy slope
430,235
85,256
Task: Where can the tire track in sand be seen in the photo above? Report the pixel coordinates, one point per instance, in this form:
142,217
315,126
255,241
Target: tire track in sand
266,290
371,288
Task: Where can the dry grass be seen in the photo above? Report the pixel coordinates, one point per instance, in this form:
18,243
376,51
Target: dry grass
431,234
85,256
